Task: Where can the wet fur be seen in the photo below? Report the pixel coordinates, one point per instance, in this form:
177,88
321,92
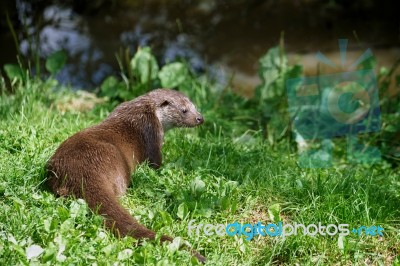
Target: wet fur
96,163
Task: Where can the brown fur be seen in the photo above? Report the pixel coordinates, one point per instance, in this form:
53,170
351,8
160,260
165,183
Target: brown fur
96,163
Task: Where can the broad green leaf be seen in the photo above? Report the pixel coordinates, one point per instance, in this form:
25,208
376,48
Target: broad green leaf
242,245
172,75
14,72
63,214
125,254
299,183
272,64
176,244
274,211
225,202
144,65
78,209
231,186
109,87
47,224
108,249
341,243
166,217
182,211
50,253
56,61
33,251
198,186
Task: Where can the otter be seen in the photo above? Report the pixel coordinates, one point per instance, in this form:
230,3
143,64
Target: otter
96,163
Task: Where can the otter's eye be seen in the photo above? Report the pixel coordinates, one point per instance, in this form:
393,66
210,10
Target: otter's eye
184,111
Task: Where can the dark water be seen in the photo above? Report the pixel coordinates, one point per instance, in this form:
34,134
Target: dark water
231,34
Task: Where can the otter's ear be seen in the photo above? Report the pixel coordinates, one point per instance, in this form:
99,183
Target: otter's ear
164,103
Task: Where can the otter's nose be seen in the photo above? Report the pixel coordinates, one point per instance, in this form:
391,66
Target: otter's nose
200,119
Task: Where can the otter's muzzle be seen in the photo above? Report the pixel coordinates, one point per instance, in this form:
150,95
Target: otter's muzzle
199,120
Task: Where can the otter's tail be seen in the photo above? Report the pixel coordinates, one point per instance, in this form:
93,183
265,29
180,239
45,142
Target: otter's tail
121,223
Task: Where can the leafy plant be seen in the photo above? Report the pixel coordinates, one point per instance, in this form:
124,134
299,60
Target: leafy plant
172,75
14,72
141,75
273,72
144,65
56,61
270,95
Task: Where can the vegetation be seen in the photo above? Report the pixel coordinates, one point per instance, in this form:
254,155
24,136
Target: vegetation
240,166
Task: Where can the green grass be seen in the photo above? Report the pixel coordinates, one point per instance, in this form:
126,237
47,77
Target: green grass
213,174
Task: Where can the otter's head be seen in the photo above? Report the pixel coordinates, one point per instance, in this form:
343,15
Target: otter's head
174,109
